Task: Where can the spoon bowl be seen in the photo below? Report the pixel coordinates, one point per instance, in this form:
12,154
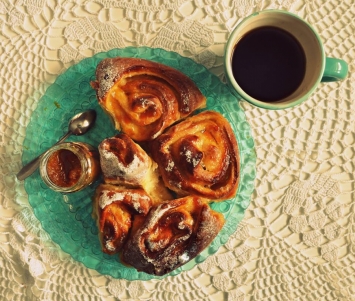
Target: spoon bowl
82,122
79,124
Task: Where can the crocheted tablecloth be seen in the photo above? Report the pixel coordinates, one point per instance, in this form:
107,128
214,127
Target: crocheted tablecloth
297,238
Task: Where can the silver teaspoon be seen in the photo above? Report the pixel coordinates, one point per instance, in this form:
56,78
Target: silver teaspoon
78,125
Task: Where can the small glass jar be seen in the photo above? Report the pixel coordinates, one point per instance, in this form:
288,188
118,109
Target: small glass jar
70,166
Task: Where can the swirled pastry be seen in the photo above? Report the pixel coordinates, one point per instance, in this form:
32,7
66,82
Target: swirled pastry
113,210
124,162
199,156
144,97
172,234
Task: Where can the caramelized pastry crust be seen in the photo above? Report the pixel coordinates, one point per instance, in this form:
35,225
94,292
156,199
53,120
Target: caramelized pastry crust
113,211
172,234
124,162
199,156
144,97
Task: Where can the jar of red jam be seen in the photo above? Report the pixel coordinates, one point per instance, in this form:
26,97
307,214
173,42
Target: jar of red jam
70,166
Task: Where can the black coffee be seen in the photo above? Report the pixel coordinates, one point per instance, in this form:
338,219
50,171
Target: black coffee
268,63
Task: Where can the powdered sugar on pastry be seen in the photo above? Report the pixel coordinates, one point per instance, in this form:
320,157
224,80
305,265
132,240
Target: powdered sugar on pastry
199,156
124,162
106,74
112,167
173,233
143,97
170,166
113,209
107,197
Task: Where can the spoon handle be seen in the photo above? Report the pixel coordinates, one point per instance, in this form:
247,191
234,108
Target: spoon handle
30,167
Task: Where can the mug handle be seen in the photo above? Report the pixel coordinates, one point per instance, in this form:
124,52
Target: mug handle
335,70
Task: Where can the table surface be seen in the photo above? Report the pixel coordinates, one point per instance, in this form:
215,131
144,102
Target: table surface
297,238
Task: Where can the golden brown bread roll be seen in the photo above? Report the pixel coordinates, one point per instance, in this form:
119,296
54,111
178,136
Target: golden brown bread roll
113,210
124,162
144,97
172,234
199,156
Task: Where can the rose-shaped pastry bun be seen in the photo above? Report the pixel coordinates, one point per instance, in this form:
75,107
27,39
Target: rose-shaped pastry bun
172,234
199,156
124,162
144,97
113,210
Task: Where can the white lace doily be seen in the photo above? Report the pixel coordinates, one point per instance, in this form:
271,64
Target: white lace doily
297,239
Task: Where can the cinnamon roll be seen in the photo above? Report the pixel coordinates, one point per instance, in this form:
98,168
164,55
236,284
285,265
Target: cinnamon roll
172,234
144,97
199,156
124,162
113,210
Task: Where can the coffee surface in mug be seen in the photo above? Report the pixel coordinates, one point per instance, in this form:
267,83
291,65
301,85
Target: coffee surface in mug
268,63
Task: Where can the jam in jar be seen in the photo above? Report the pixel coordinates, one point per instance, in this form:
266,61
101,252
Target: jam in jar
70,166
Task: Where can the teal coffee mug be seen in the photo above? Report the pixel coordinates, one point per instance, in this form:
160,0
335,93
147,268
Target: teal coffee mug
275,60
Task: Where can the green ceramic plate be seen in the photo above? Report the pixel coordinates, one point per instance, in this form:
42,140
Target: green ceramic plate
67,218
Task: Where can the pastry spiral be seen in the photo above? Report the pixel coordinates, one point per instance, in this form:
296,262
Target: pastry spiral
144,97
113,210
124,162
199,156
172,234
